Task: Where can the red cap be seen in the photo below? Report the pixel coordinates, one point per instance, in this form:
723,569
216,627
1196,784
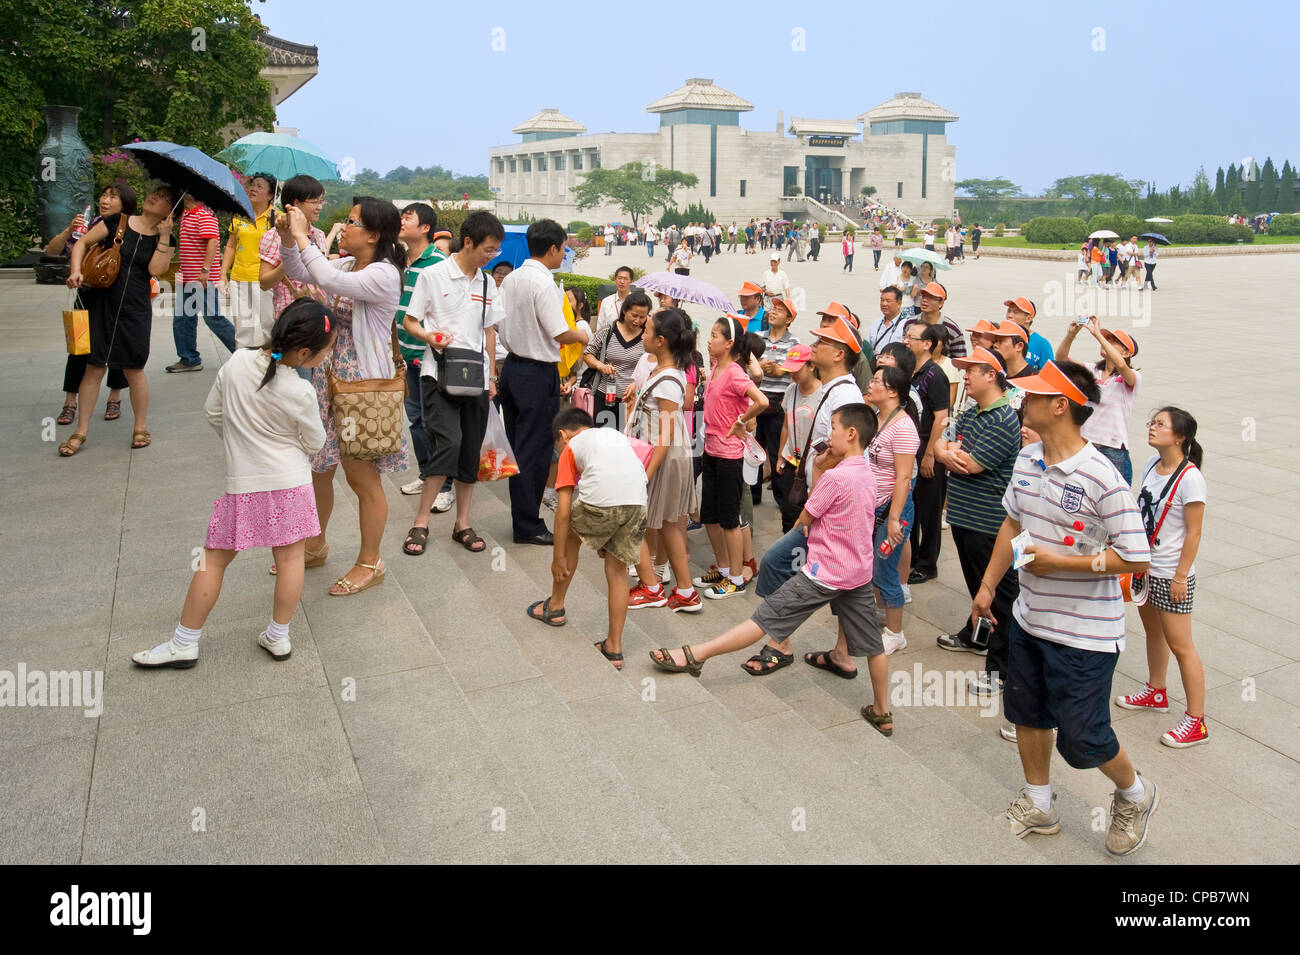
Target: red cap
935,289
796,358
749,288
841,332
1023,304
1050,380
789,306
983,328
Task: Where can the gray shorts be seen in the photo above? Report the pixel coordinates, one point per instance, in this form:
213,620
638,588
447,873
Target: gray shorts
800,597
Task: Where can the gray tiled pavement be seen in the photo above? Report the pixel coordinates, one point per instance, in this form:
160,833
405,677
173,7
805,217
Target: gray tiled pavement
428,720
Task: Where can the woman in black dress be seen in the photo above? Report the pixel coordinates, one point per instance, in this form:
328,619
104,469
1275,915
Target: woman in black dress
120,327
119,197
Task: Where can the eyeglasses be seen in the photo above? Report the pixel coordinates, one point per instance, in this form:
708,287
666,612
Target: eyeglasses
1157,425
353,222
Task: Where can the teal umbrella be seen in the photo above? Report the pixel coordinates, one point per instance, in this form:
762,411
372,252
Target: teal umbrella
280,155
917,256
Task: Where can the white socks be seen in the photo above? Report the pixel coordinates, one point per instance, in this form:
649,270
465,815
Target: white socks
1041,795
277,631
1135,793
684,593
185,637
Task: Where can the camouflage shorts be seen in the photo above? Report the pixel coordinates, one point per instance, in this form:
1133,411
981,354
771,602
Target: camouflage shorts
616,530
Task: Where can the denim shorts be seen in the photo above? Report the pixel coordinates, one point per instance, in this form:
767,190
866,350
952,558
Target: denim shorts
1120,458
884,573
1050,685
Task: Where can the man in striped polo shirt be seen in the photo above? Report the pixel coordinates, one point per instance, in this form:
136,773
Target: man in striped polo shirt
979,464
419,223
1067,627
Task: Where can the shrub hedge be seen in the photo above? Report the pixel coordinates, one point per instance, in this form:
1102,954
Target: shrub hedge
1283,225
1048,229
1121,222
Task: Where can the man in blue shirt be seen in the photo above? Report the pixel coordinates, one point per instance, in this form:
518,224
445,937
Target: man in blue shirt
1040,351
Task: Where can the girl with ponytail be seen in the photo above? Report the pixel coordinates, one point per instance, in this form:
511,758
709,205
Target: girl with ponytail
731,401
269,422
1172,502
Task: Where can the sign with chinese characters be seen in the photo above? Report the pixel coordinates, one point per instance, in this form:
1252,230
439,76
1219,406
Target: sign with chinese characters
826,140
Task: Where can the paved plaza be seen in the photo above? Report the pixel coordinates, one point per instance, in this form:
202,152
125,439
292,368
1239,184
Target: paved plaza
428,720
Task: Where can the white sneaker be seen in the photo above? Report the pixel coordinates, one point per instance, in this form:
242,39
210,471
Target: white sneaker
443,502
893,641
279,649
1008,733
168,655
414,487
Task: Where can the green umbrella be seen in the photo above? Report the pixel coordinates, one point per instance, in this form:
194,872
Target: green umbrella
917,256
281,156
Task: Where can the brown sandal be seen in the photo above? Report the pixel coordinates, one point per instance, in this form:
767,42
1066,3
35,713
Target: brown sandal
140,439
878,720
466,538
66,416
67,449
112,410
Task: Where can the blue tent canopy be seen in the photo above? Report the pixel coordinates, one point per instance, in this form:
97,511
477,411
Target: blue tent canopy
514,249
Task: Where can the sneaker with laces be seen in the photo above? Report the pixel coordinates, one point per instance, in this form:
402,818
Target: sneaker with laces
1151,698
985,685
1192,731
181,366
1023,817
643,596
710,579
168,655
951,641
443,502
414,487
1130,821
893,641
691,604
724,589
279,649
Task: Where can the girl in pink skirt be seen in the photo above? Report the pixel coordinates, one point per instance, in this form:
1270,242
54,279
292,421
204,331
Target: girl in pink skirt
270,423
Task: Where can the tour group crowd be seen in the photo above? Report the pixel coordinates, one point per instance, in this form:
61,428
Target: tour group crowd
638,424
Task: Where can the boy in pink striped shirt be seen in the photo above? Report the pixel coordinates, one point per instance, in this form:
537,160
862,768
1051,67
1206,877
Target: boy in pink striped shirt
837,571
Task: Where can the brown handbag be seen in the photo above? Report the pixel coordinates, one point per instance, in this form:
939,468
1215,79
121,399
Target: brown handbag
102,263
368,412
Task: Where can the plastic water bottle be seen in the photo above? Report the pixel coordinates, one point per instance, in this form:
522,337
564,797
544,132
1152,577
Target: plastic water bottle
887,548
1086,537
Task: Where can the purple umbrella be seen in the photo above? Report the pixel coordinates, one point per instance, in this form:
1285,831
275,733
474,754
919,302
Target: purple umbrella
686,289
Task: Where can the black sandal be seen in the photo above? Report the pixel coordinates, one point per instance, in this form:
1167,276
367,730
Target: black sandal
878,719
828,664
665,662
418,537
614,658
768,655
466,538
113,410
547,615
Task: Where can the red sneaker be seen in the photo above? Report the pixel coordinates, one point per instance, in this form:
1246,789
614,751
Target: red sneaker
642,596
1192,731
691,604
1150,698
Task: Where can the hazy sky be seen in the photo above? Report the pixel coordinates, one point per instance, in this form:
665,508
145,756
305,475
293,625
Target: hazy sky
1048,89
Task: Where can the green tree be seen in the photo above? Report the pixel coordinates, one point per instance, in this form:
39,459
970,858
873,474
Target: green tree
1286,189
1251,198
1202,196
989,188
1268,187
866,191
178,70
1220,191
1092,192
638,191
